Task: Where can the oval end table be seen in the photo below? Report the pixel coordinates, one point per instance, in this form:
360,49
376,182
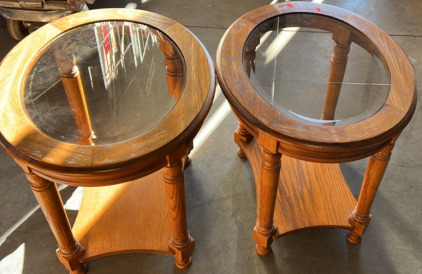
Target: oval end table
312,86
109,100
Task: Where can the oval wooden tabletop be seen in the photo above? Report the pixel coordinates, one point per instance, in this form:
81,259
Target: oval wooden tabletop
380,127
25,142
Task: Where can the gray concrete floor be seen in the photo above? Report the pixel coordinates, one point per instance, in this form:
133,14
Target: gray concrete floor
220,188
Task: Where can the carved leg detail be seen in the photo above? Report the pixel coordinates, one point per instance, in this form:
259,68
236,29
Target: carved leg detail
263,239
69,251
359,224
181,243
361,216
71,260
265,229
241,135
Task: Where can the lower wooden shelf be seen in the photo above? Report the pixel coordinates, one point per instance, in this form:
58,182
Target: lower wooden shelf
310,195
128,217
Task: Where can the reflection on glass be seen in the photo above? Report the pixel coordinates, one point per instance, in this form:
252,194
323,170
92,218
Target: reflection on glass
104,82
316,69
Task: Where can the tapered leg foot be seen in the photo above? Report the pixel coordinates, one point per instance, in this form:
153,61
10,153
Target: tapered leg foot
262,251
71,259
241,153
182,253
81,270
353,238
359,224
263,239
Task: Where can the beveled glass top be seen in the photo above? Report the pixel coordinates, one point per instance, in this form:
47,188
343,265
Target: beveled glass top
288,60
104,82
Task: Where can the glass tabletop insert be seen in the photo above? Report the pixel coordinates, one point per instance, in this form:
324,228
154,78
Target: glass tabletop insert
104,82
316,69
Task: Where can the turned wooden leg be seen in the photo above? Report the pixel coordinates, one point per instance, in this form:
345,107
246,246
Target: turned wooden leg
265,229
181,243
336,73
241,135
69,251
361,216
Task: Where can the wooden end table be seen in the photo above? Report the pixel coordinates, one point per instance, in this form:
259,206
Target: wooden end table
312,86
109,100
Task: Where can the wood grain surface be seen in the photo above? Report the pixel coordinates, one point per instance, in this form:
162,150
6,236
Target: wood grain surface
106,222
